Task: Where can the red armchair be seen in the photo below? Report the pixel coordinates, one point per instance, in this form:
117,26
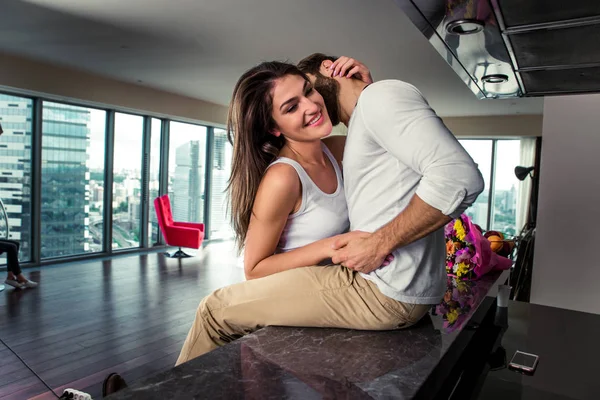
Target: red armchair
180,234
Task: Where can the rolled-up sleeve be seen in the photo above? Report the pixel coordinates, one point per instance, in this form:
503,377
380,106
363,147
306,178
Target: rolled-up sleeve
402,122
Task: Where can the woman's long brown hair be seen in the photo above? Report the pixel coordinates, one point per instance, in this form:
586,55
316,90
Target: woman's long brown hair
249,127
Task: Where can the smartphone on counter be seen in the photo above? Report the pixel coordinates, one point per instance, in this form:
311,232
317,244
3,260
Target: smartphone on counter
524,362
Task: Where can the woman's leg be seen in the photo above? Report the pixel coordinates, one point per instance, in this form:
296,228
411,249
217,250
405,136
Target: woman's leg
331,296
12,256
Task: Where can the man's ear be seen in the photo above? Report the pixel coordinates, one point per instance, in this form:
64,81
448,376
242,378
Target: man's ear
325,68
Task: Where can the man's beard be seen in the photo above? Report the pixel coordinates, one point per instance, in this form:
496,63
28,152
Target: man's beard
329,89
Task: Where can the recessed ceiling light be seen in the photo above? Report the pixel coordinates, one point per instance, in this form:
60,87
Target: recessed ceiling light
464,26
495,78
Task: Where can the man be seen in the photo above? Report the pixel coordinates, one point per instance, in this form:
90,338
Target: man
405,177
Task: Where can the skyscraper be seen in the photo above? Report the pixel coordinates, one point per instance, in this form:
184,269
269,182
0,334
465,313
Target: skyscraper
65,180
187,188
220,226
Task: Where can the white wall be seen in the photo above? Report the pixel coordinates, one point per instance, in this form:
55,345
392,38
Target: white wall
62,82
566,270
496,126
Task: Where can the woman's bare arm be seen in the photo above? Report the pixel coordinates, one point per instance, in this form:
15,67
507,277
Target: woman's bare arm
276,199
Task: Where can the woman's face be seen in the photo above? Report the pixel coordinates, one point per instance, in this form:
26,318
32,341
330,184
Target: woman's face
299,110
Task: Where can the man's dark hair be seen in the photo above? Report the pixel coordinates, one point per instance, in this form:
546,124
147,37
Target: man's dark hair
312,64
325,85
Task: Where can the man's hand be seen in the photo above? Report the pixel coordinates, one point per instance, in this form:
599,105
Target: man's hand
360,251
349,67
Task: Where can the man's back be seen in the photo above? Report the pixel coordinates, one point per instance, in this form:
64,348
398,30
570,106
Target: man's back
397,147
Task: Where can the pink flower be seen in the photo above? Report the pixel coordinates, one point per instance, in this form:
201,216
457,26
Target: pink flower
463,255
449,229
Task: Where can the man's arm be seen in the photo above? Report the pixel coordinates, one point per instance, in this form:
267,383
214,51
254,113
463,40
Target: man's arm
364,252
409,129
418,220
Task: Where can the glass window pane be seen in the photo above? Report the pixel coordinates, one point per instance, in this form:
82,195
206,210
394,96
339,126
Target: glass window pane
187,154
96,165
154,182
506,187
220,227
127,175
68,207
15,165
481,152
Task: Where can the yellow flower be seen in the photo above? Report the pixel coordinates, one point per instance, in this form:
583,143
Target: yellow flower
462,270
452,316
460,230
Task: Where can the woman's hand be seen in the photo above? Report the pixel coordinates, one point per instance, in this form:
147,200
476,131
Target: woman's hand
349,67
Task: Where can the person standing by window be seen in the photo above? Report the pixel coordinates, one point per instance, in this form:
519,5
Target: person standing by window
15,278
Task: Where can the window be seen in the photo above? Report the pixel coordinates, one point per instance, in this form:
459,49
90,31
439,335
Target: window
501,198
481,152
73,190
220,227
70,222
506,187
127,181
187,159
154,182
96,166
15,167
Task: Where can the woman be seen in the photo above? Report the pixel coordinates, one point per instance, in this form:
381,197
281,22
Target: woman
286,188
287,200
15,278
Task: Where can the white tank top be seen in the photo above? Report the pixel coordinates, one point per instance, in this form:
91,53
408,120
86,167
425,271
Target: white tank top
320,215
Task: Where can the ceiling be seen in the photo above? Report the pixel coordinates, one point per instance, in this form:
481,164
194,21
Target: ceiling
199,48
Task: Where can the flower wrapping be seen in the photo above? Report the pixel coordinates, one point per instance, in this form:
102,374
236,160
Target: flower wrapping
468,252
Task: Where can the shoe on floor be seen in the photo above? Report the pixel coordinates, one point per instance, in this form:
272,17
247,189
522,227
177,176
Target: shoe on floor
113,383
28,284
14,283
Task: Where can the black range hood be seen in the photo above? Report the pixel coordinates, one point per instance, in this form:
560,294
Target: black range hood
515,48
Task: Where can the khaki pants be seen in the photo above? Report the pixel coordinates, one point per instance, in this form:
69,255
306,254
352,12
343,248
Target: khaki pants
332,297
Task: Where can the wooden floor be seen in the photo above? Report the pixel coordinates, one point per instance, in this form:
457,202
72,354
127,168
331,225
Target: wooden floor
128,314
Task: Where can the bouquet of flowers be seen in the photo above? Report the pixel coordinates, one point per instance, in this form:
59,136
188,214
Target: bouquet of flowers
468,252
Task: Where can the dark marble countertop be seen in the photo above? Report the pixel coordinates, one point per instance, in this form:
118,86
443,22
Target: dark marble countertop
315,363
566,342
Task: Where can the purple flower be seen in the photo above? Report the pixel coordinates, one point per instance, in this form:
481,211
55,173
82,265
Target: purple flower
462,255
449,229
